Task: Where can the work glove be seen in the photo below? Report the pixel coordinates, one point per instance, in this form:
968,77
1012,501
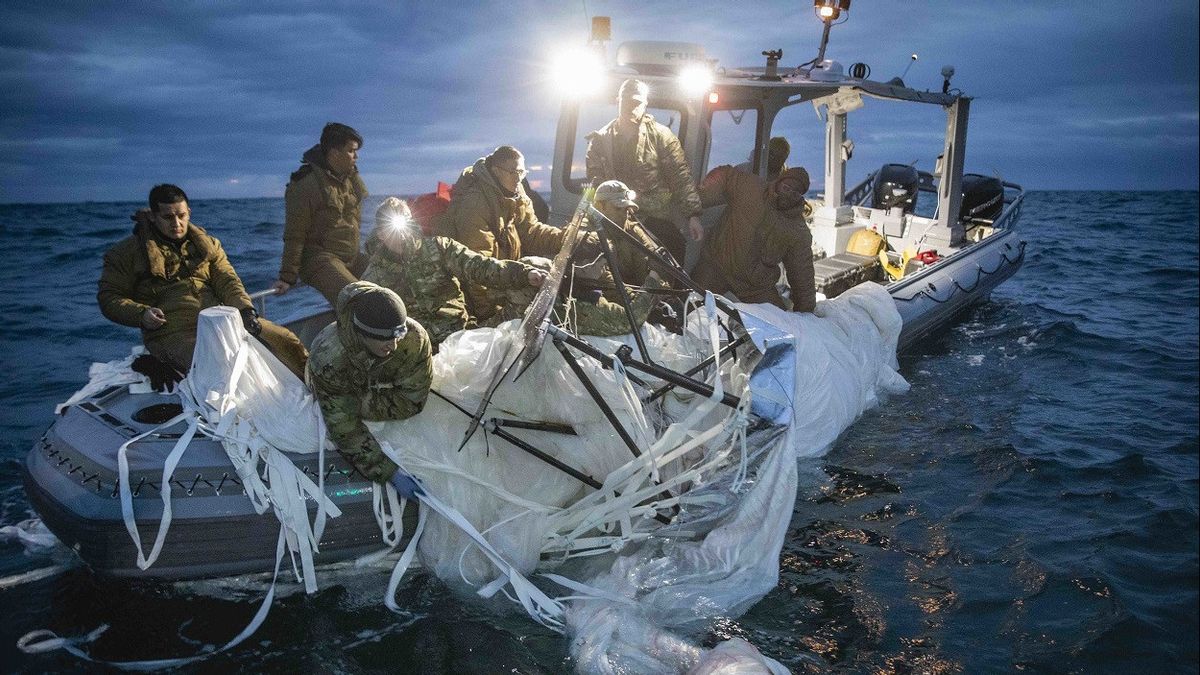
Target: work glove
406,485
163,377
250,321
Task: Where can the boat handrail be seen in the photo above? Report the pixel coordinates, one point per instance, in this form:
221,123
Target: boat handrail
1012,208
259,298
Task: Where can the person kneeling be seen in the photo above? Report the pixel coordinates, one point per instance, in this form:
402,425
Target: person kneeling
374,363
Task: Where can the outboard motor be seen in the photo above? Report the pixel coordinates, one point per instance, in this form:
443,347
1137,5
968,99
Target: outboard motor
982,198
895,185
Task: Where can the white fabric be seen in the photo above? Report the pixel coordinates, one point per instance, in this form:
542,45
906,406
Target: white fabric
626,619
101,376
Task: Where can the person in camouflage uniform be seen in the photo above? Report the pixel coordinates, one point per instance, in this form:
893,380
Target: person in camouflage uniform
490,214
374,363
160,277
614,201
427,271
646,156
589,316
761,228
323,209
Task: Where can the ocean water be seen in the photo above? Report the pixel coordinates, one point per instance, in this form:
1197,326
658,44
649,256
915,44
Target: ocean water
1031,503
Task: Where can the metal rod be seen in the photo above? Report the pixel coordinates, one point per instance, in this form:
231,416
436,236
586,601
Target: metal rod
697,368
535,426
595,394
661,373
606,250
565,468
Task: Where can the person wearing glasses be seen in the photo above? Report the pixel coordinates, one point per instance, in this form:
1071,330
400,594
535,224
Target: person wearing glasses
374,363
490,214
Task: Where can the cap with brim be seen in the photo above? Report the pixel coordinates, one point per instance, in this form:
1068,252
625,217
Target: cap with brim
634,89
615,192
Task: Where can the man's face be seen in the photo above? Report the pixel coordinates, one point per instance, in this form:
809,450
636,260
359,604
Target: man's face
612,211
788,194
631,110
380,348
343,160
172,219
510,172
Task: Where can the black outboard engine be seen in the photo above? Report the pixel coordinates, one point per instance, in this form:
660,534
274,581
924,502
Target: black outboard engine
982,198
895,185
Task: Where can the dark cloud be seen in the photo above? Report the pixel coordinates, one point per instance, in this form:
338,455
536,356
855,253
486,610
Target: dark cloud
102,99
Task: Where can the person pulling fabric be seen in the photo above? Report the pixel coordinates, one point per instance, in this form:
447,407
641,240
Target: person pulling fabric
427,272
374,363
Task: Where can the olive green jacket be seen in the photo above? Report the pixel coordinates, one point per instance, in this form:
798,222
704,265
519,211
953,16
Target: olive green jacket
351,385
323,213
427,273
146,270
661,178
743,252
487,220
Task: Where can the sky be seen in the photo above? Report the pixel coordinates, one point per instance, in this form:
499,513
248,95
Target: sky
101,100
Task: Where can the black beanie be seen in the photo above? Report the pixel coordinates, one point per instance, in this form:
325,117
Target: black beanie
379,314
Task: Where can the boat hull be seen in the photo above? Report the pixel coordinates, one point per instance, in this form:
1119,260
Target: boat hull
930,299
71,481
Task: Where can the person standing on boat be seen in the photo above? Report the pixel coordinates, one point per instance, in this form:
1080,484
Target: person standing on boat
160,277
323,210
427,272
778,150
490,214
761,228
646,156
374,363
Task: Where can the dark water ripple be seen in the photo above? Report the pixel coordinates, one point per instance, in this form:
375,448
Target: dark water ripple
1030,505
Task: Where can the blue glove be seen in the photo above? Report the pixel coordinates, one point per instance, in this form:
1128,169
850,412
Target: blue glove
406,485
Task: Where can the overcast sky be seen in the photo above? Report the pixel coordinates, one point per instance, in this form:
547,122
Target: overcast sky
100,99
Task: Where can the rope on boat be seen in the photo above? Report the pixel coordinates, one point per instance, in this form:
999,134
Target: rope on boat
980,273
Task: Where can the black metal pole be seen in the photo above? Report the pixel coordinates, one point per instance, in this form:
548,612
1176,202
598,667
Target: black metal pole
697,368
595,394
606,250
559,335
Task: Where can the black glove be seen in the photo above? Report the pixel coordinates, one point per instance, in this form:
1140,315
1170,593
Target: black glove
250,321
163,377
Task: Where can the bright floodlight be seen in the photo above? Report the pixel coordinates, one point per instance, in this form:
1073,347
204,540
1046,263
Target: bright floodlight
695,79
577,72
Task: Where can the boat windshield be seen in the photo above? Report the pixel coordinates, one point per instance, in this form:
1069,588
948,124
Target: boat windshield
596,115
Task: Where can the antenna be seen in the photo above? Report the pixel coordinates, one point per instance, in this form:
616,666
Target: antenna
911,60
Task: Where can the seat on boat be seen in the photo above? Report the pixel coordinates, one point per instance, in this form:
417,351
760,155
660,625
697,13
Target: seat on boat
836,274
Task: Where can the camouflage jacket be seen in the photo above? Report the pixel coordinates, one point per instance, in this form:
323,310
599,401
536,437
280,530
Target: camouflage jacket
602,319
742,254
631,260
351,385
661,177
426,273
323,213
487,220
145,270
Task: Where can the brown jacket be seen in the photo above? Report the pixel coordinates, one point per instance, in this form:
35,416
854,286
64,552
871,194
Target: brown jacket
487,220
661,176
145,270
743,252
323,213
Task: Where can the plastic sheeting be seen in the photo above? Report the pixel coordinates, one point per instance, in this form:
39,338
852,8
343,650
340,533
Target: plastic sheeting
640,586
